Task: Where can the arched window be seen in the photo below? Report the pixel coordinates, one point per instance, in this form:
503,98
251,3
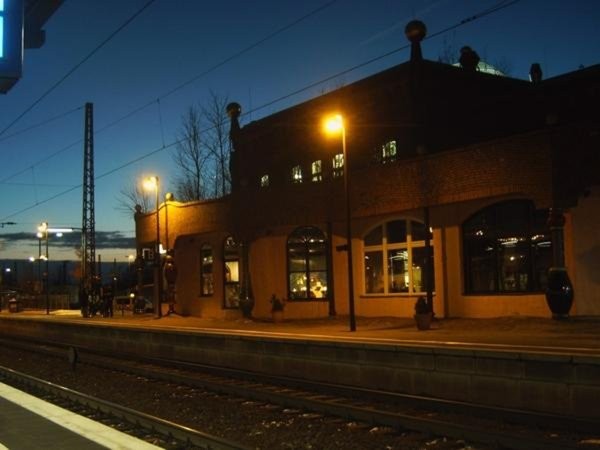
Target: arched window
231,261
394,257
507,248
206,271
307,264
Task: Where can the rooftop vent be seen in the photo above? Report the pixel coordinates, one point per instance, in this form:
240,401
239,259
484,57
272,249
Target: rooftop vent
233,110
535,73
469,59
415,32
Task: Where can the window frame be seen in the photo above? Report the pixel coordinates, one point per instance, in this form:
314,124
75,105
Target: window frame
389,151
316,169
337,164
384,248
323,245
264,181
203,248
297,175
532,232
231,258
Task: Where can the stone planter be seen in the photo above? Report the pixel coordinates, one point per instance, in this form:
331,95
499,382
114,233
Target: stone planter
246,306
423,321
559,293
277,316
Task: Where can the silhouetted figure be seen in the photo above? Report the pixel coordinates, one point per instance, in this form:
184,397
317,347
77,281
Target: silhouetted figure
107,301
83,302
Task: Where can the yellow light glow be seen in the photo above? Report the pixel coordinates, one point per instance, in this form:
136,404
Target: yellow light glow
334,124
151,183
42,227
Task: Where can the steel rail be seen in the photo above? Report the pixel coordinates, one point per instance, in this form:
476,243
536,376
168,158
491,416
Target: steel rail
368,413
160,426
339,400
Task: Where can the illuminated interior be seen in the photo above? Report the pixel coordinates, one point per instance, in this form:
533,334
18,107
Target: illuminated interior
394,255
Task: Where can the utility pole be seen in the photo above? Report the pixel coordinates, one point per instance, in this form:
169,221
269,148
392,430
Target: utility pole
88,222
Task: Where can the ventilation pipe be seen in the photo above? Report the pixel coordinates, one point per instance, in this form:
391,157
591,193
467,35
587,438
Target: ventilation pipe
535,73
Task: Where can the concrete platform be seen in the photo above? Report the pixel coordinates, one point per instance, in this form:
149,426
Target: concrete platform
518,362
30,423
571,336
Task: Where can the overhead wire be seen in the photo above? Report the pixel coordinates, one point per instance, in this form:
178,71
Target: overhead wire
40,124
502,5
77,66
187,82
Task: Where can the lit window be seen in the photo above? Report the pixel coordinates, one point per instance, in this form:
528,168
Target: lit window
307,264
338,165
297,174
206,271
316,170
231,257
388,152
507,248
264,181
394,256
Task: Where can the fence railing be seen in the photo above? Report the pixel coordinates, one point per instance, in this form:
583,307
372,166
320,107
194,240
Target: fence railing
34,302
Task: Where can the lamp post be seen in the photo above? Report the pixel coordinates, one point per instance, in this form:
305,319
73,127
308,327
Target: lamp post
43,233
168,198
333,125
152,183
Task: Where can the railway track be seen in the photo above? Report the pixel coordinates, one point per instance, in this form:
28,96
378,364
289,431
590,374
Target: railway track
495,427
144,426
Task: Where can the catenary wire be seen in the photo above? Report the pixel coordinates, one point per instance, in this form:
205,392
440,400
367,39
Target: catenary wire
40,124
79,64
498,7
184,84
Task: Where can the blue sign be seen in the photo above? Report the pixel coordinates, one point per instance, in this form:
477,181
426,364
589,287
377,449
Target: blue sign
11,42
1,28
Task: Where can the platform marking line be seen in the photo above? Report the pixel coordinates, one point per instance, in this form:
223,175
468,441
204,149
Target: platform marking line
94,431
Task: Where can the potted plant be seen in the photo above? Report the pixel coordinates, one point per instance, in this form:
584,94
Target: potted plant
277,307
422,314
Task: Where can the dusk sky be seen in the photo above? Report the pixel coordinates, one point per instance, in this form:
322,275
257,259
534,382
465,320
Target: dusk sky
173,42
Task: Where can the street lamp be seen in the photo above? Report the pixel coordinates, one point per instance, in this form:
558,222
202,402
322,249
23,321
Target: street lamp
152,183
335,125
43,233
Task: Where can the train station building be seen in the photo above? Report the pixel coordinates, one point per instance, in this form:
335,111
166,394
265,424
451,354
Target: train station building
463,187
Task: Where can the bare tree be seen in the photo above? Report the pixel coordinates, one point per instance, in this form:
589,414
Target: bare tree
130,196
503,65
202,152
192,158
448,54
216,140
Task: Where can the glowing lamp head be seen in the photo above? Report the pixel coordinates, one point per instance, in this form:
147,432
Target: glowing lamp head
151,183
334,124
42,227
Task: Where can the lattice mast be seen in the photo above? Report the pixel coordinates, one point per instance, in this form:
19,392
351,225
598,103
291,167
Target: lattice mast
88,223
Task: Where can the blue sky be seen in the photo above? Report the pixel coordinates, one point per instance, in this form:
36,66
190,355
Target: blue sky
173,41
